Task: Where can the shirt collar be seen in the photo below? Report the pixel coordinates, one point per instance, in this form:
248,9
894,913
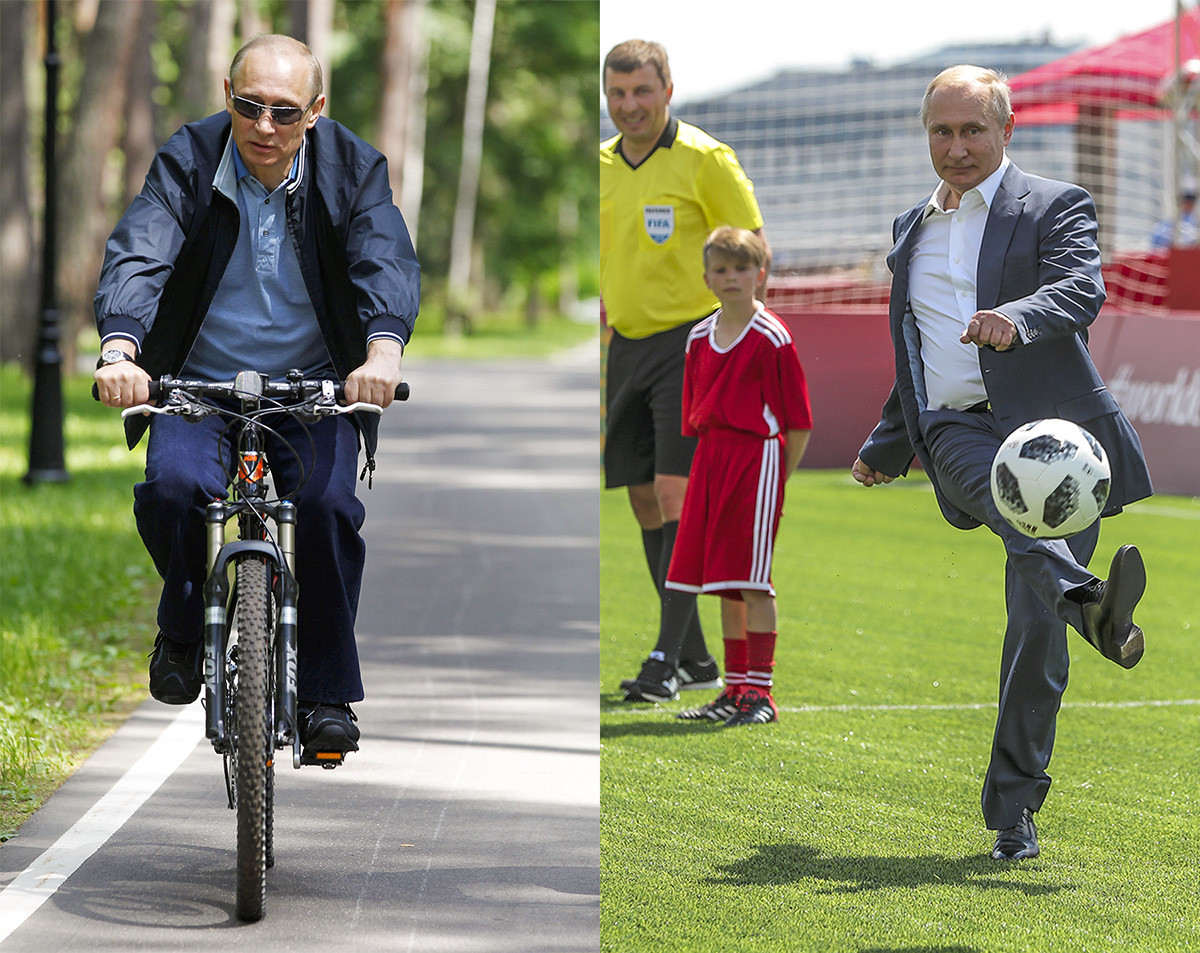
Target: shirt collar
986,190
665,141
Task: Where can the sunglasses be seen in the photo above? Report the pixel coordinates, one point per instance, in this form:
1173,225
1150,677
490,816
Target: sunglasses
280,115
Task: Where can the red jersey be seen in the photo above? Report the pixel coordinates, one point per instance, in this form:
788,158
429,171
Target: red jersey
755,385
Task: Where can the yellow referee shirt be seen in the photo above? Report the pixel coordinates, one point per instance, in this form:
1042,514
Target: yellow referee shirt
653,222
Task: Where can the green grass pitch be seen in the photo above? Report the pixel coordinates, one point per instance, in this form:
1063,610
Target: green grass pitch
853,824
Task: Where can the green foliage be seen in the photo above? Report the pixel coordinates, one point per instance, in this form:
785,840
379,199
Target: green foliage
853,823
539,139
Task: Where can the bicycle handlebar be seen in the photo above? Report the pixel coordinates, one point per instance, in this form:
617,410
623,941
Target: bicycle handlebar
294,389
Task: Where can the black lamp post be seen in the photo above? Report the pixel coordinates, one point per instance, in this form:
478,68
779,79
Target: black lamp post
46,462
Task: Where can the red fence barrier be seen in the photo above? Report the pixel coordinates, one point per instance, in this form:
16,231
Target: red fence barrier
1151,363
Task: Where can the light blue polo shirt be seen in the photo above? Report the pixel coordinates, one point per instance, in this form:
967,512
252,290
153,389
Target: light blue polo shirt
261,317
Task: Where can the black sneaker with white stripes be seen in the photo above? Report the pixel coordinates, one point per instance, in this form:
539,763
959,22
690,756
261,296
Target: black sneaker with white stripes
755,707
656,682
719,709
704,675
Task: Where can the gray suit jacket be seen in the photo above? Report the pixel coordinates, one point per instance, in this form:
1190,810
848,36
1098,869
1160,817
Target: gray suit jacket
1040,265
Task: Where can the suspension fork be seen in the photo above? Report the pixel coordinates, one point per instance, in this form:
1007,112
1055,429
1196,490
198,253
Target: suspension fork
216,607
287,592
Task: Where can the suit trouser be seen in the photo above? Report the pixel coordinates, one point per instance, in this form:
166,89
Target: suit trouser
1038,576
187,466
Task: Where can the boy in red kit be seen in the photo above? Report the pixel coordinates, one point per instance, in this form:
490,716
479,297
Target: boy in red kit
745,397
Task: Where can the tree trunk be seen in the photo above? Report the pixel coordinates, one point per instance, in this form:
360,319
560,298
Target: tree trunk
311,22
463,236
405,80
18,305
204,62
84,217
251,21
139,140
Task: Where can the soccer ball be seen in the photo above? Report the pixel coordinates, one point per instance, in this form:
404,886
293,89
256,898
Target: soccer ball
1050,479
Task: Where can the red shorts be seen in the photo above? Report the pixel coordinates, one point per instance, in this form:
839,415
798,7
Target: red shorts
730,515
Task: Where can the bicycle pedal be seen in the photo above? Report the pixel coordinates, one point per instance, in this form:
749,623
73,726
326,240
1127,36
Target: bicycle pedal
326,759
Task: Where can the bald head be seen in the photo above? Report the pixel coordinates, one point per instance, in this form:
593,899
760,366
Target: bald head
283,46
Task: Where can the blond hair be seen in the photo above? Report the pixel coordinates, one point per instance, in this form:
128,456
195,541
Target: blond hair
739,245
994,82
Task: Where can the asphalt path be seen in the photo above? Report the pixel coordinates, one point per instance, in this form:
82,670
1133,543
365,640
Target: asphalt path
469,821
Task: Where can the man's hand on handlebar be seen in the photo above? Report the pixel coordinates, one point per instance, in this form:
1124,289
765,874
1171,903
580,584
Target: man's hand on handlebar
122,384
376,381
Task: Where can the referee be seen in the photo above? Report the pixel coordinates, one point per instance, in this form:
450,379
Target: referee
664,185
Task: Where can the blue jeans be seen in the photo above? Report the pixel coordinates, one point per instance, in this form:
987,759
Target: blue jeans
186,468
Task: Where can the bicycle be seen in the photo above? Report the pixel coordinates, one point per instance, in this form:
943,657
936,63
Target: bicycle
250,626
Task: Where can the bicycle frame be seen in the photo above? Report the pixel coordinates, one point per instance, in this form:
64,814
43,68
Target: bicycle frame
249,498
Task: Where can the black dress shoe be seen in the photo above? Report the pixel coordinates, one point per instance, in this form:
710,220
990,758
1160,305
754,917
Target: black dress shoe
1018,842
1108,609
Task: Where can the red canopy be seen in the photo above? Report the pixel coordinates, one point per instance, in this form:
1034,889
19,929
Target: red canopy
1130,72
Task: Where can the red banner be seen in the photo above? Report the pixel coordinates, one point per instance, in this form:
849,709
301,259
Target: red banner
1151,364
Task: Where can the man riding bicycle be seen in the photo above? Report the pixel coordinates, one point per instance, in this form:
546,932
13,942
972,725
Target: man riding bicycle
265,238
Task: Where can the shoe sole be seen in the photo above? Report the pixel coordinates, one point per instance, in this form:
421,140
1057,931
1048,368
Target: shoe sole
1022,854
1126,585
329,742
173,696
638,695
705,686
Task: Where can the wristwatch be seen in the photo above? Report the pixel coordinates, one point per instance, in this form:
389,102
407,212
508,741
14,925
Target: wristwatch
114,355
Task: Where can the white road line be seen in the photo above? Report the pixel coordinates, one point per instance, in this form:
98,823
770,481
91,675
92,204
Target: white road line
37,882
965,706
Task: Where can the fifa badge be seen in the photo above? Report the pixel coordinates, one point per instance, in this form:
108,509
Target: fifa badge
660,222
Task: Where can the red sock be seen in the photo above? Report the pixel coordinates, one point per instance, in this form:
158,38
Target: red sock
760,660
735,664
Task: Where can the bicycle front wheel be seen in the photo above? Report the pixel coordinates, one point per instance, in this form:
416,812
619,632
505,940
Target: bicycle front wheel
252,734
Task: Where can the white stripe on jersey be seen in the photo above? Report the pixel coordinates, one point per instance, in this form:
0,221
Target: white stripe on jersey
764,513
771,327
762,321
701,329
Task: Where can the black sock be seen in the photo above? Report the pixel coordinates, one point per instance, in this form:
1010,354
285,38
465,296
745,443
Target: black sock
679,633
652,543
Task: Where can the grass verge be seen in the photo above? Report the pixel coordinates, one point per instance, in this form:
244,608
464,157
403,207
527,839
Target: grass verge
853,824
75,584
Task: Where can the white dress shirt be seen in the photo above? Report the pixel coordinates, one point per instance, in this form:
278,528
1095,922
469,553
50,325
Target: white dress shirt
941,292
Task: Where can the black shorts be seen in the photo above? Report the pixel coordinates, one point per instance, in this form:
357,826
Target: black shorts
644,396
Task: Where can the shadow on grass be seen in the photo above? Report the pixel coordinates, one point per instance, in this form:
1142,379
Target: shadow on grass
787,863
656,723
920,949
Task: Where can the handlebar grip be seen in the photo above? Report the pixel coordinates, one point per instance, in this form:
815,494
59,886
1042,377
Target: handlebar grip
402,391
155,390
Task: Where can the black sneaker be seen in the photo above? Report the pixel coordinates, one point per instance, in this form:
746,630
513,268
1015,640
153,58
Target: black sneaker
327,731
175,670
657,682
720,708
754,707
704,675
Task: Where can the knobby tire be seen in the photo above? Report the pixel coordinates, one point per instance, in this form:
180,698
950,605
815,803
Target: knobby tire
253,732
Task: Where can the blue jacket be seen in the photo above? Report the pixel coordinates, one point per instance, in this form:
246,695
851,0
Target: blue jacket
164,260
1039,264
